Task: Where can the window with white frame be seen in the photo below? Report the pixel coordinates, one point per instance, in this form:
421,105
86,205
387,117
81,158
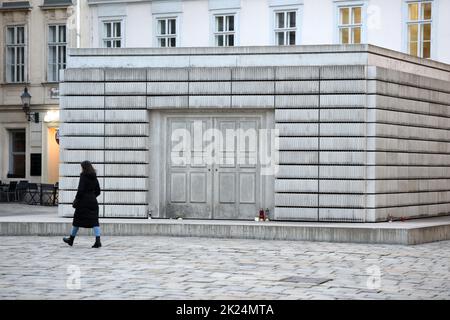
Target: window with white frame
419,28
57,44
167,32
112,34
224,31
350,24
285,27
15,54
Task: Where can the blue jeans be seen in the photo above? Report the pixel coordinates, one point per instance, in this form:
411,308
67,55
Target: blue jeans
74,231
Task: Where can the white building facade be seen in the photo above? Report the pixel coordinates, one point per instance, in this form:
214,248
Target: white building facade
420,28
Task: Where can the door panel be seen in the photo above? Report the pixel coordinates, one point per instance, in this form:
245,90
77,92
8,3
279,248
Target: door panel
178,187
227,187
198,187
236,176
247,185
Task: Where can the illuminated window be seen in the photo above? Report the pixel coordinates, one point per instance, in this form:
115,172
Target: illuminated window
350,25
285,27
419,29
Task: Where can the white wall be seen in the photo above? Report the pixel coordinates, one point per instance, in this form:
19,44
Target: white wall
93,33
139,25
384,24
254,23
317,25
195,24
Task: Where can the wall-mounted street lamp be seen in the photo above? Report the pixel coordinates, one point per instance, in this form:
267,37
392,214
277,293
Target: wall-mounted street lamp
26,98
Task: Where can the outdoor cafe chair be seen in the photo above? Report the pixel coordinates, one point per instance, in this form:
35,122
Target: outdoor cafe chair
32,195
21,188
11,191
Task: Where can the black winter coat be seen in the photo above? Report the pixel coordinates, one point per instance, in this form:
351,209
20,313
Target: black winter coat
86,205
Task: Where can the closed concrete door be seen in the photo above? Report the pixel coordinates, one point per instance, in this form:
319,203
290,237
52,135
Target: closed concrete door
213,170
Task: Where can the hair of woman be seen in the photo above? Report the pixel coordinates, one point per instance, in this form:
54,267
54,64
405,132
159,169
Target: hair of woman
88,168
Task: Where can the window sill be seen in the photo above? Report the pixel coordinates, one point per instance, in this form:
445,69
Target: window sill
15,84
14,176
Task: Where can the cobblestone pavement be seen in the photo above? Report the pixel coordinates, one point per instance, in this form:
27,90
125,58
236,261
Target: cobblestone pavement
199,268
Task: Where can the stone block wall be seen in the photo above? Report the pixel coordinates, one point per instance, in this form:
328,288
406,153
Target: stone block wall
408,145
356,143
321,114
105,120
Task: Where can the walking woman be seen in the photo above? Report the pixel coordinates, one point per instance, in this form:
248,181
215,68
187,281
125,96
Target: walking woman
86,205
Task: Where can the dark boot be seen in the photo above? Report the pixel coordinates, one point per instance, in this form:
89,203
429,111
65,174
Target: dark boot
69,240
97,243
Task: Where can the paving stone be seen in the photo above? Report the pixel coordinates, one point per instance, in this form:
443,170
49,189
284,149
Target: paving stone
194,268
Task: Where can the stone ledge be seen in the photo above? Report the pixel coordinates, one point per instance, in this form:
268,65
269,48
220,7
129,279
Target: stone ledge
406,233
254,50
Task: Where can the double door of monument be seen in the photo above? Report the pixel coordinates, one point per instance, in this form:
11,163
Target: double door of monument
213,169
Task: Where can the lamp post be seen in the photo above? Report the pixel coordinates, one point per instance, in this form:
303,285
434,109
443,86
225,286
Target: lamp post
26,98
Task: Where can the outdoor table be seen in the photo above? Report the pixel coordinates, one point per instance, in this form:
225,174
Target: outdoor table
33,194
48,194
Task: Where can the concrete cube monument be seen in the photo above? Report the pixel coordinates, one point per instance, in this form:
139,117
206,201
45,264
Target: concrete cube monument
363,132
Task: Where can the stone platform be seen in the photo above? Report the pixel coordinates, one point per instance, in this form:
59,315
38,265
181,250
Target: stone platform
23,220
